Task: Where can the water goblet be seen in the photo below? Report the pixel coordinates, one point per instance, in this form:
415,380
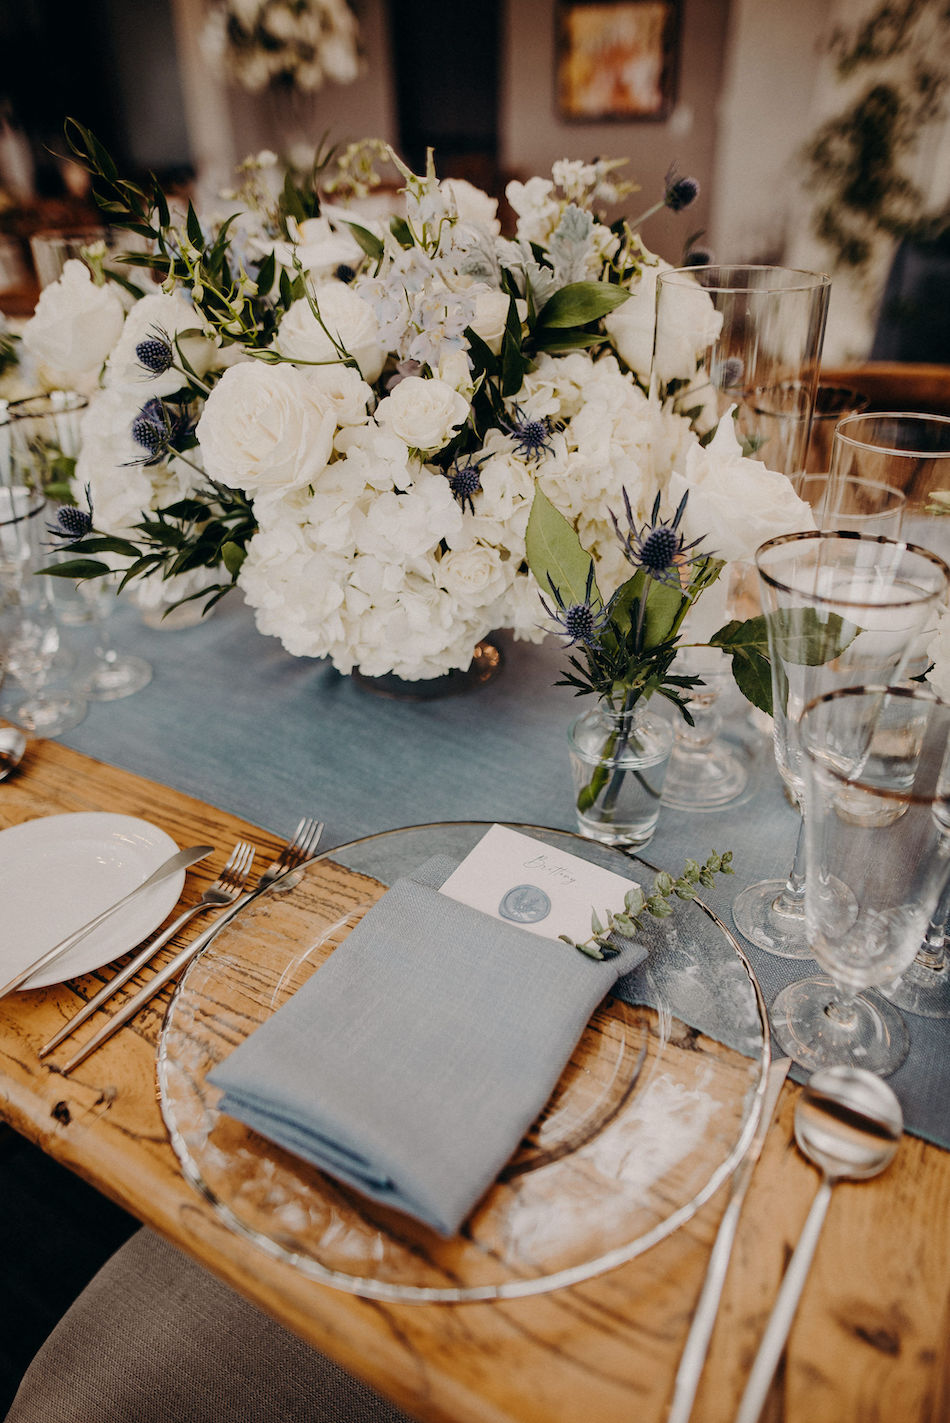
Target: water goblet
841,609
113,674
877,835
745,339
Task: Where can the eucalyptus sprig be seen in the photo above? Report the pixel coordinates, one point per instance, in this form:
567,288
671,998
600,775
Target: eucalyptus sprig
636,903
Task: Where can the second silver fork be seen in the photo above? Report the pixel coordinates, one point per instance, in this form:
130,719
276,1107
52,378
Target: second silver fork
295,855
223,892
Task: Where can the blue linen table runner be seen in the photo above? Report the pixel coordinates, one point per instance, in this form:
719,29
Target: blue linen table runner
231,718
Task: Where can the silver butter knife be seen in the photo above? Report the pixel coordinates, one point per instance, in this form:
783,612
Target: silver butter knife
179,861
697,1341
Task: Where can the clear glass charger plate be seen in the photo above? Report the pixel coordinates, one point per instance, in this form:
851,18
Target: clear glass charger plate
654,1110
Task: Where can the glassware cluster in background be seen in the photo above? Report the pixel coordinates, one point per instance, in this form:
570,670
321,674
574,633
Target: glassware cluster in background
39,443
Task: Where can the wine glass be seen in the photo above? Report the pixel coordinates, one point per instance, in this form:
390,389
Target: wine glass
45,437
911,451
745,339
113,674
29,640
841,609
877,834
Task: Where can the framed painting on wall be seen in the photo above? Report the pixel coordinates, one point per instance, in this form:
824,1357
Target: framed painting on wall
616,59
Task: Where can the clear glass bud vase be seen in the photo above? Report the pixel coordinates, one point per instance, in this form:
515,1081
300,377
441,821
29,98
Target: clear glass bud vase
619,761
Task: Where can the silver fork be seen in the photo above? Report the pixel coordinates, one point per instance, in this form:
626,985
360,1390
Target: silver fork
224,891
296,855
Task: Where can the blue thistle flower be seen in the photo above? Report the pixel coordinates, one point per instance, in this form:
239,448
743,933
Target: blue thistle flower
465,482
156,428
155,353
577,622
657,547
679,193
532,438
72,523
344,273
698,257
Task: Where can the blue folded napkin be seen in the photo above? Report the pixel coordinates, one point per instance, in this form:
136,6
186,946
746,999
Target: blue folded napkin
413,1061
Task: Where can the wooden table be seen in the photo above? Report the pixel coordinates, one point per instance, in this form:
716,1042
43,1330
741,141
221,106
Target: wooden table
869,1341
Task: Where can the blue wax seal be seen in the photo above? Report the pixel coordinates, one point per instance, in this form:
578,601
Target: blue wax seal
525,904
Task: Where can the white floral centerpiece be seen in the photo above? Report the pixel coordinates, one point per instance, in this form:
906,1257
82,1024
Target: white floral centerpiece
351,421
290,44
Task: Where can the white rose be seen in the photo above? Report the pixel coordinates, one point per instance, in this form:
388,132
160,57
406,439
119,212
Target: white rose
157,317
347,317
455,370
424,413
75,324
632,325
475,576
265,429
491,313
734,503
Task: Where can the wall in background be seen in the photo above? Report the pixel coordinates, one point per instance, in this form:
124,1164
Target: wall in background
533,134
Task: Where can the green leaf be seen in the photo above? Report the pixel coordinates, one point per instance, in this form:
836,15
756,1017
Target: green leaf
803,638
514,363
401,230
77,568
232,556
579,303
557,341
747,644
555,554
370,243
195,235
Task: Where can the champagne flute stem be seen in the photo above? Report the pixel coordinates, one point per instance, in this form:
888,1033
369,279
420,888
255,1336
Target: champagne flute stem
791,901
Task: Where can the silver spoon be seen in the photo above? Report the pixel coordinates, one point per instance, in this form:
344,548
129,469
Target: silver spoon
12,747
849,1123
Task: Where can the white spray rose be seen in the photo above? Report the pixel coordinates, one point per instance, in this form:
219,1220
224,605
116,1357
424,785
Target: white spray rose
319,248
349,319
75,324
472,204
491,313
266,429
734,503
424,413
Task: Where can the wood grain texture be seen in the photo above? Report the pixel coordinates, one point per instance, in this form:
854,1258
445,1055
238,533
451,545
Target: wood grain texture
869,1342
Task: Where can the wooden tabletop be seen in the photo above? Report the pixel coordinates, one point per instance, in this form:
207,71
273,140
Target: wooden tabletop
869,1341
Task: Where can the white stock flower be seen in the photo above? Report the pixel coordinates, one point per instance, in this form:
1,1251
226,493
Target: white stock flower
734,503
424,413
537,210
345,317
75,324
266,429
168,315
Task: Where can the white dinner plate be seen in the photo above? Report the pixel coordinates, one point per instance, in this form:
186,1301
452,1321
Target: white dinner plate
59,871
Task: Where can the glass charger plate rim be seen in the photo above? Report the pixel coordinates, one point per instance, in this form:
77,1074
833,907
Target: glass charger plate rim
368,1288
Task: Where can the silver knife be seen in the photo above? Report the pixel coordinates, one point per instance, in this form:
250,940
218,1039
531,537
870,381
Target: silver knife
184,956
697,1341
179,861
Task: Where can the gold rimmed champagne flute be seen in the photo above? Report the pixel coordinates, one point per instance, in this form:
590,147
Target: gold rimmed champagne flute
841,609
